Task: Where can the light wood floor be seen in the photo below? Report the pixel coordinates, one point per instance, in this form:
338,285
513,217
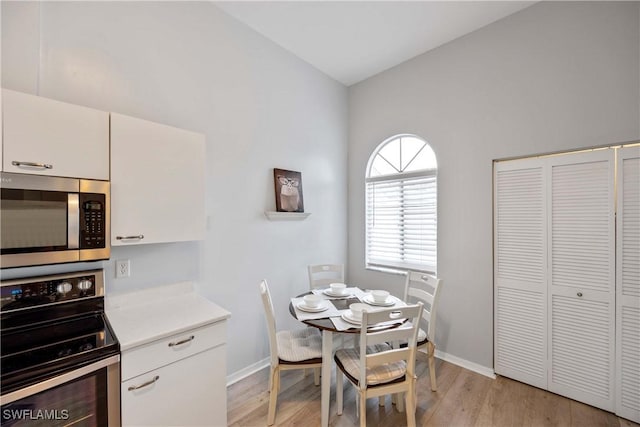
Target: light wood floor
464,398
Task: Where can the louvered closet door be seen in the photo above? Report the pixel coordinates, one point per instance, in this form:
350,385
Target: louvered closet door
628,285
520,271
582,277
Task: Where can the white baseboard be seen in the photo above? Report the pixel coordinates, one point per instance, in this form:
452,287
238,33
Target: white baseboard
261,364
482,370
251,369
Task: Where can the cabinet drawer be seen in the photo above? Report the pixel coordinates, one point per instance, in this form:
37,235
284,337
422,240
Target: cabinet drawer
159,353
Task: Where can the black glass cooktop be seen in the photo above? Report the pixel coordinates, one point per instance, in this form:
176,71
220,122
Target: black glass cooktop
35,352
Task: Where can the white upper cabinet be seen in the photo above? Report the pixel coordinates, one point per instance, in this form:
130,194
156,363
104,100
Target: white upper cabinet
157,183
46,137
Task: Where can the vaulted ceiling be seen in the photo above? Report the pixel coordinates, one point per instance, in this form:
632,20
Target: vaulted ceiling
353,40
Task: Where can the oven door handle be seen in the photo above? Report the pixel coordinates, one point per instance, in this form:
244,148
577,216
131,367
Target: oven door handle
59,380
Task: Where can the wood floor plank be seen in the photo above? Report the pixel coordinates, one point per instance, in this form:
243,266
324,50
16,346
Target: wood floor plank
505,404
464,398
627,423
544,408
463,401
248,388
583,415
428,401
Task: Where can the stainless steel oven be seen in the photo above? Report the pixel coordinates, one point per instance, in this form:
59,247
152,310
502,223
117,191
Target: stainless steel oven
50,220
60,361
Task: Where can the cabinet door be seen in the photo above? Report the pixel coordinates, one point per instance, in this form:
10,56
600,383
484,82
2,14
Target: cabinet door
628,285
157,182
189,392
582,277
520,271
71,140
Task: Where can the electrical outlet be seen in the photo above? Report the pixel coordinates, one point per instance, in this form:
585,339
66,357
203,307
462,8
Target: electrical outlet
123,268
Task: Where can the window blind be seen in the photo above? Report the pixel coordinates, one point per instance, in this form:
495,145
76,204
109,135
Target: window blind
401,215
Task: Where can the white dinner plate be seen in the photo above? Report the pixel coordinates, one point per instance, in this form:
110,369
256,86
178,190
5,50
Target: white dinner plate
331,294
302,306
388,303
346,316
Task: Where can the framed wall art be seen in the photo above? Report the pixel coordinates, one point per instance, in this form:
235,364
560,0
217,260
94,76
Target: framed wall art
288,188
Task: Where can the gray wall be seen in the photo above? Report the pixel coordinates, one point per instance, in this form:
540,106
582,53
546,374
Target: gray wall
187,64
556,76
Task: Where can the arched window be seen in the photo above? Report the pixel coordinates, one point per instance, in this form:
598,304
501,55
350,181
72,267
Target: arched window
401,205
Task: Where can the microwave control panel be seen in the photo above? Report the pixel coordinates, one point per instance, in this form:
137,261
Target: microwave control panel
92,221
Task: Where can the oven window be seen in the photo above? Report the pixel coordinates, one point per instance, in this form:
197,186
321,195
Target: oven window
33,220
79,403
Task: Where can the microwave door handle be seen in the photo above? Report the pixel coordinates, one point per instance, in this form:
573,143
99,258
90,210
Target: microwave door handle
73,212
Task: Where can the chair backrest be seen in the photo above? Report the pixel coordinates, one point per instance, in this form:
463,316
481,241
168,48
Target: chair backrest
425,288
408,332
271,321
321,275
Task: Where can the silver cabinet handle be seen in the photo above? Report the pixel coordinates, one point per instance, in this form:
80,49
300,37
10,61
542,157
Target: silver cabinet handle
579,294
148,383
32,164
138,237
184,341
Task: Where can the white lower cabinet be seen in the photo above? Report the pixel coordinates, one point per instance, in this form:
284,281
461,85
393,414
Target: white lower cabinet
183,393
177,381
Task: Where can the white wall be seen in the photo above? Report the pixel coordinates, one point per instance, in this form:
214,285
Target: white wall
187,64
556,76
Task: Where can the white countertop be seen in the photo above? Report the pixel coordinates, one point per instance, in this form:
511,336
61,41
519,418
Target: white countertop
141,317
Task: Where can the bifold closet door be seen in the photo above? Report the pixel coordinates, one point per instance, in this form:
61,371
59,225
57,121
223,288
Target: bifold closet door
628,284
581,296
520,265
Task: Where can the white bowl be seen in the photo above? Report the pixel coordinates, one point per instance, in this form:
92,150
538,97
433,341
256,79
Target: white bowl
380,296
312,300
357,309
338,288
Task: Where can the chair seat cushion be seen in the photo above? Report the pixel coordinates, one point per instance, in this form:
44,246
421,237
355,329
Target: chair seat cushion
299,345
349,360
422,337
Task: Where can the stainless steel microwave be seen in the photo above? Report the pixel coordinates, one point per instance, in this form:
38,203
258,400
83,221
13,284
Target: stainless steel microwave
51,220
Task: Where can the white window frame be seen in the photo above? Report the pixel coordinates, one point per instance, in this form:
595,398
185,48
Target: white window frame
407,181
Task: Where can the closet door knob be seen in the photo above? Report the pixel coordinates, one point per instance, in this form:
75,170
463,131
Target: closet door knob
579,294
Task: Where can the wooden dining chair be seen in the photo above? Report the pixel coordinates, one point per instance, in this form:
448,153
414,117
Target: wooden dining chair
375,368
425,288
321,275
298,349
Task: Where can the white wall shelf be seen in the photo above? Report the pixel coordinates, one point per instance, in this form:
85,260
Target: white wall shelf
286,216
